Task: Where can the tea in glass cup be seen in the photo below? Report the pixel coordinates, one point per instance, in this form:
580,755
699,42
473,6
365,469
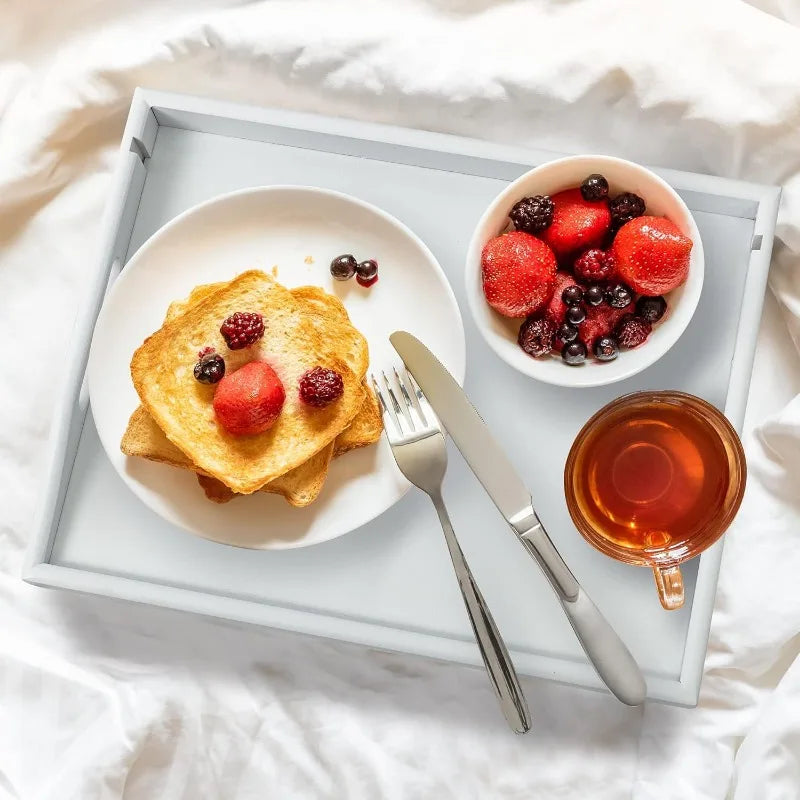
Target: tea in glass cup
655,478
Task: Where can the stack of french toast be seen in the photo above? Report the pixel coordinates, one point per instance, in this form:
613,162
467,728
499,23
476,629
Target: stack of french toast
254,387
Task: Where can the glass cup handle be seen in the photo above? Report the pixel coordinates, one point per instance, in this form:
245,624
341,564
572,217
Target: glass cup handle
669,583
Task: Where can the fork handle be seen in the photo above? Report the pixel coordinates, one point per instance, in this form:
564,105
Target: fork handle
493,650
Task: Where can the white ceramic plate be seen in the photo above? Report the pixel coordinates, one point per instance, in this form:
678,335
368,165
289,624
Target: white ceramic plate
565,173
298,230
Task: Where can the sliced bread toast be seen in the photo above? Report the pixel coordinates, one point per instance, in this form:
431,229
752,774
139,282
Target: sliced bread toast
181,407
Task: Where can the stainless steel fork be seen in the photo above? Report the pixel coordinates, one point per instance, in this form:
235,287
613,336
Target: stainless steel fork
418,445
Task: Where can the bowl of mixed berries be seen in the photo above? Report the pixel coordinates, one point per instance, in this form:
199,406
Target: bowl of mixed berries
584,271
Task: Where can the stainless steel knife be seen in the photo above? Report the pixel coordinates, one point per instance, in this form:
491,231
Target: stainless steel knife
611,658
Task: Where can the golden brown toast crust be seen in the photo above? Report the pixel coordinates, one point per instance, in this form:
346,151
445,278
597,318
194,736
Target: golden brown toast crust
162,374
365,429
300,486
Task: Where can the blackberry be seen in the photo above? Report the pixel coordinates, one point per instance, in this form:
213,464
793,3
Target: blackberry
572,295
618,295
594,188
343,267
632,331
210,368
574,353
242,329
320,386
532,214
651,308
606,348
594,295
625,207
536,336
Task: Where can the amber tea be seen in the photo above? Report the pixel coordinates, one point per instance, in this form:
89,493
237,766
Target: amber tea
654,478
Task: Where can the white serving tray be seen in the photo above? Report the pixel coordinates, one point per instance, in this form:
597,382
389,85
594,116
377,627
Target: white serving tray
390,584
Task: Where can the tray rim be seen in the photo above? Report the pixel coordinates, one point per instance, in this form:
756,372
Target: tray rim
151,109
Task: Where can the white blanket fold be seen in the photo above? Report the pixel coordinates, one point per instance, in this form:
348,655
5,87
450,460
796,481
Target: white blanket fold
104,700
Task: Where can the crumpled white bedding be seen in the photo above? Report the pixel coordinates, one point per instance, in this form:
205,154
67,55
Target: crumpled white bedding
100,699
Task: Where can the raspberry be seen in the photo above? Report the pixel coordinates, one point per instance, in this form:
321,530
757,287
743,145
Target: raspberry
632,331
536,336
594,265
242,329
625,207
532,214
211,366
320,386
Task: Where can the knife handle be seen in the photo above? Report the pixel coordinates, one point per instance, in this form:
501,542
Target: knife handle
611,658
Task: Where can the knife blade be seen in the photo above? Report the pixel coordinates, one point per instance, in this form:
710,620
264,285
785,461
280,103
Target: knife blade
466,428
611,658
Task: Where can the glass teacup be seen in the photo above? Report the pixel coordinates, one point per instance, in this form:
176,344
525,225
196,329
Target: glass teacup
655,478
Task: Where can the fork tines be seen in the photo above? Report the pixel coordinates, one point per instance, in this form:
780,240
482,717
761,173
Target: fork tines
410,415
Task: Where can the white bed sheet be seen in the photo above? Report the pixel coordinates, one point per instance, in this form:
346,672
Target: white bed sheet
100,699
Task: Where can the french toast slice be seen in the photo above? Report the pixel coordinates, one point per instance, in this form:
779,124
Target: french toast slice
181,406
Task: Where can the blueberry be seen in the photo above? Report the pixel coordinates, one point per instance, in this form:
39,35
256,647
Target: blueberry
367,270
343,267
574,353
594,295
606,348
576,315
566,333
594,188
210,368
651,308
618,295
572,295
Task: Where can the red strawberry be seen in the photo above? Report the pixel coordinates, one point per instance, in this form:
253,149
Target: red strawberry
557,308
518,271
577,223
249,400
600,321
652,255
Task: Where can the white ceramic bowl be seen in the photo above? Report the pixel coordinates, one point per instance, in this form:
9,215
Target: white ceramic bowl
623,176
